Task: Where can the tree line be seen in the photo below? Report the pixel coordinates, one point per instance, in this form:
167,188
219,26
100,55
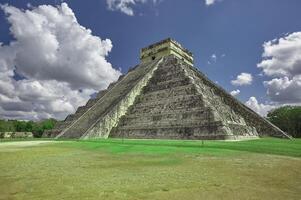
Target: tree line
37,128
288,119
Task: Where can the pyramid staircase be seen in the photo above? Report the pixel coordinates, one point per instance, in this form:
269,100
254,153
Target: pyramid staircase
70,119
164,97
170,106
113,101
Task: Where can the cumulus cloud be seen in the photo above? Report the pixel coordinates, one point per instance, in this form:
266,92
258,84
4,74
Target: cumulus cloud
126,6
242,79
51,45
61,63
34,100
282,62
235,92
282,57
260,108
284,90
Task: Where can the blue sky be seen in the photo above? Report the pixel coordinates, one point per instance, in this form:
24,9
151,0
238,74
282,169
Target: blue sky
225,36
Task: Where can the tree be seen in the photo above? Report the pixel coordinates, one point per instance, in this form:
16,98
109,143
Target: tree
20,126
287,118
37,128
29,126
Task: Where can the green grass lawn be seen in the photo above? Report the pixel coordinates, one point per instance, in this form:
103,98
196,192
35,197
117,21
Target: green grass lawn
150,169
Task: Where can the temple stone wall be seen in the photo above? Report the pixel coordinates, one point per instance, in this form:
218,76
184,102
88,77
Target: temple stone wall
165,48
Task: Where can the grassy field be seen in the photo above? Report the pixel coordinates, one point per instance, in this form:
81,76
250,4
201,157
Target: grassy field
150,169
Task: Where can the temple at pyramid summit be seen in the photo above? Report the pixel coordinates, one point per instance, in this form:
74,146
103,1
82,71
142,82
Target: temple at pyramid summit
164,97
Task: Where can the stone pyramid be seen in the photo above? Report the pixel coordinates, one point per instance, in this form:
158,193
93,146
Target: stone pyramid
165,97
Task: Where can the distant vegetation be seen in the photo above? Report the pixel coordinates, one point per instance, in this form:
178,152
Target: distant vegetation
37,128
288,119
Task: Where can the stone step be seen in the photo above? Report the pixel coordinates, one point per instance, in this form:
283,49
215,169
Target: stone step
167,68
192,111
170,74
242,129
63,125
172,92
91,102
185,101
170,96
166,84
72,117
51,133
168,81
157,109
165,122
101,94
192,132
82,109
169,117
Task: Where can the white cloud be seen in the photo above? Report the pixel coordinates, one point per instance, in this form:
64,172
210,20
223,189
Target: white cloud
61,61
126,6
51,45
211,2
260,108
284,90
213,57
235,92
282,57
34,100
242,79
282,61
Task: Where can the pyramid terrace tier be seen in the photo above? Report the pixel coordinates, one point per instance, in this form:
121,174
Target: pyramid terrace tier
180,101
209,131
175,117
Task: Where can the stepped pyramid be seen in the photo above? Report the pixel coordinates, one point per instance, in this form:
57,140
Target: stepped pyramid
164,96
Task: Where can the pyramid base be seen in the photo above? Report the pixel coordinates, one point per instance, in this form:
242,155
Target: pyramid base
216,137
